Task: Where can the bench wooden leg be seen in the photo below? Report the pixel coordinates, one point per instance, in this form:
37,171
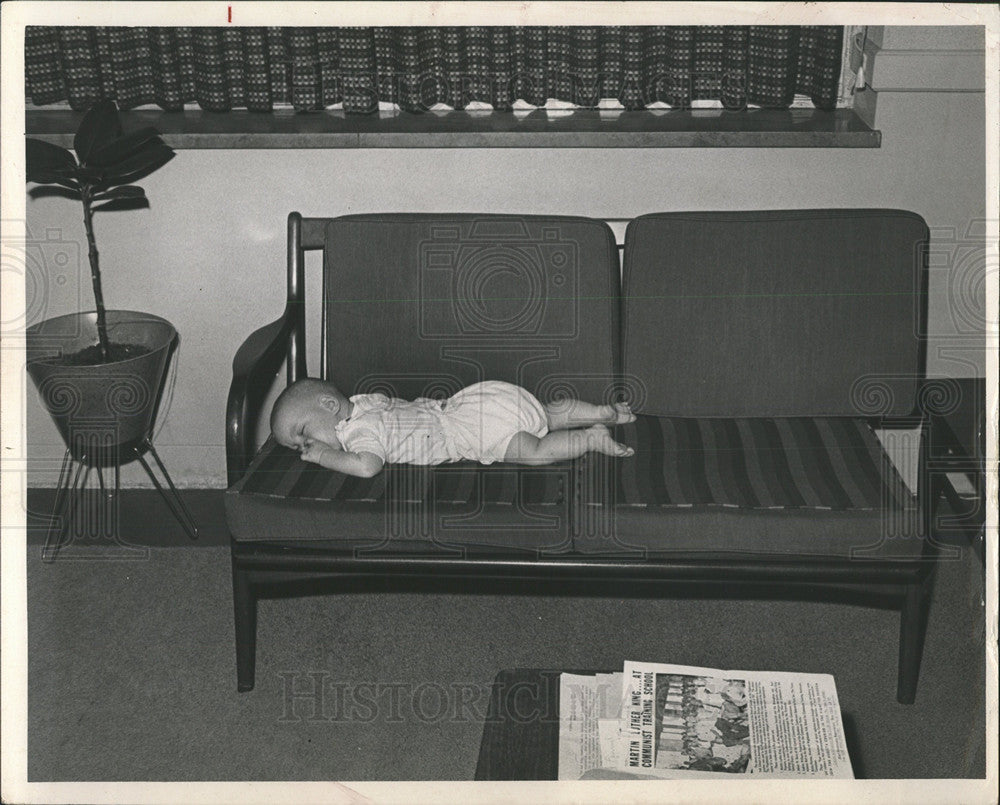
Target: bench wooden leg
245,615
912,626
916,602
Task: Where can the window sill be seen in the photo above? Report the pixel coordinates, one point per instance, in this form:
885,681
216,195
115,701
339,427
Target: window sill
794,128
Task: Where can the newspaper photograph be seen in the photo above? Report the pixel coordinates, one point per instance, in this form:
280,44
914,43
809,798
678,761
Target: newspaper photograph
680,720
674,721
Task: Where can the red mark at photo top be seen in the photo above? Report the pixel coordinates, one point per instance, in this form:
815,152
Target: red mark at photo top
230,13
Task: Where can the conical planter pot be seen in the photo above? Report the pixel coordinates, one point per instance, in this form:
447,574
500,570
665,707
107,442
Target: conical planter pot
106,411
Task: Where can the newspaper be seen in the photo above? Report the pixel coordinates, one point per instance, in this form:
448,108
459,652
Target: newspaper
677,721
589,723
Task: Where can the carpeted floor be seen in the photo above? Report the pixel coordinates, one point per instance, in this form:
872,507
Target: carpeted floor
132,675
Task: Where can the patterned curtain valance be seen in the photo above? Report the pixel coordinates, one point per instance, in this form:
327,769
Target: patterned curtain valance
312,68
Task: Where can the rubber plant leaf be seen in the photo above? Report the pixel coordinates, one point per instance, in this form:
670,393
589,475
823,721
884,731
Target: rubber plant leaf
114,152
116,204
87,175
66,184
125,191
44,159
100,126
153,155
54,190
52,177
72,184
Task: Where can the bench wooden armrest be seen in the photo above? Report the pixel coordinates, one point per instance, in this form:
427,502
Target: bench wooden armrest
254,367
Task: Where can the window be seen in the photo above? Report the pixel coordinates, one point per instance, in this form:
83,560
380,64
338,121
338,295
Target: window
649,75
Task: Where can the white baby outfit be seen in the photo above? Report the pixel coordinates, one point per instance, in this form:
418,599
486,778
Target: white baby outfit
475,424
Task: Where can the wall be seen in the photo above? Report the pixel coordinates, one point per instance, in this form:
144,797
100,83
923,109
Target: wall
209,254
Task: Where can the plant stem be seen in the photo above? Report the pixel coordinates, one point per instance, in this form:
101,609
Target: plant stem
95,275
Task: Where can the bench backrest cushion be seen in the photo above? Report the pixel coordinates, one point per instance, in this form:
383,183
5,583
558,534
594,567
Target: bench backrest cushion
774,313
425,304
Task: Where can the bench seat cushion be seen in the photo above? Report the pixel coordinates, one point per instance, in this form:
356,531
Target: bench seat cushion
804,486
765,488
432,302
774,313
284,499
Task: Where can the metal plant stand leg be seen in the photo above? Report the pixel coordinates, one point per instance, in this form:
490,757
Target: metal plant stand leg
114,497
78,499
107,514
71,494
74,491
173,500
58,524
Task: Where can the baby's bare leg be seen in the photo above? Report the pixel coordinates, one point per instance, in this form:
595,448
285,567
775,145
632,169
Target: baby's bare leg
563,444
570,413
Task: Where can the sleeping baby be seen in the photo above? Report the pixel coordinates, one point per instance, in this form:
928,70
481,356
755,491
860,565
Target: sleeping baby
486,422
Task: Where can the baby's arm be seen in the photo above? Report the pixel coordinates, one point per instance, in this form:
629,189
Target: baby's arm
363,465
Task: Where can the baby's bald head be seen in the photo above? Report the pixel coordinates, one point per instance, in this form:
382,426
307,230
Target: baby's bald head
302,404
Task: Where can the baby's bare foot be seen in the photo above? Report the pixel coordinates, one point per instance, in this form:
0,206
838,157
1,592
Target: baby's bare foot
601,442
624,413
618,414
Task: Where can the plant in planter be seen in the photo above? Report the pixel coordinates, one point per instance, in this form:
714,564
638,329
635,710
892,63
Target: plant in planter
100,373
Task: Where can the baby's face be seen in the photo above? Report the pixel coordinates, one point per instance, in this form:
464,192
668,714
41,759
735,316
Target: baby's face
303,423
